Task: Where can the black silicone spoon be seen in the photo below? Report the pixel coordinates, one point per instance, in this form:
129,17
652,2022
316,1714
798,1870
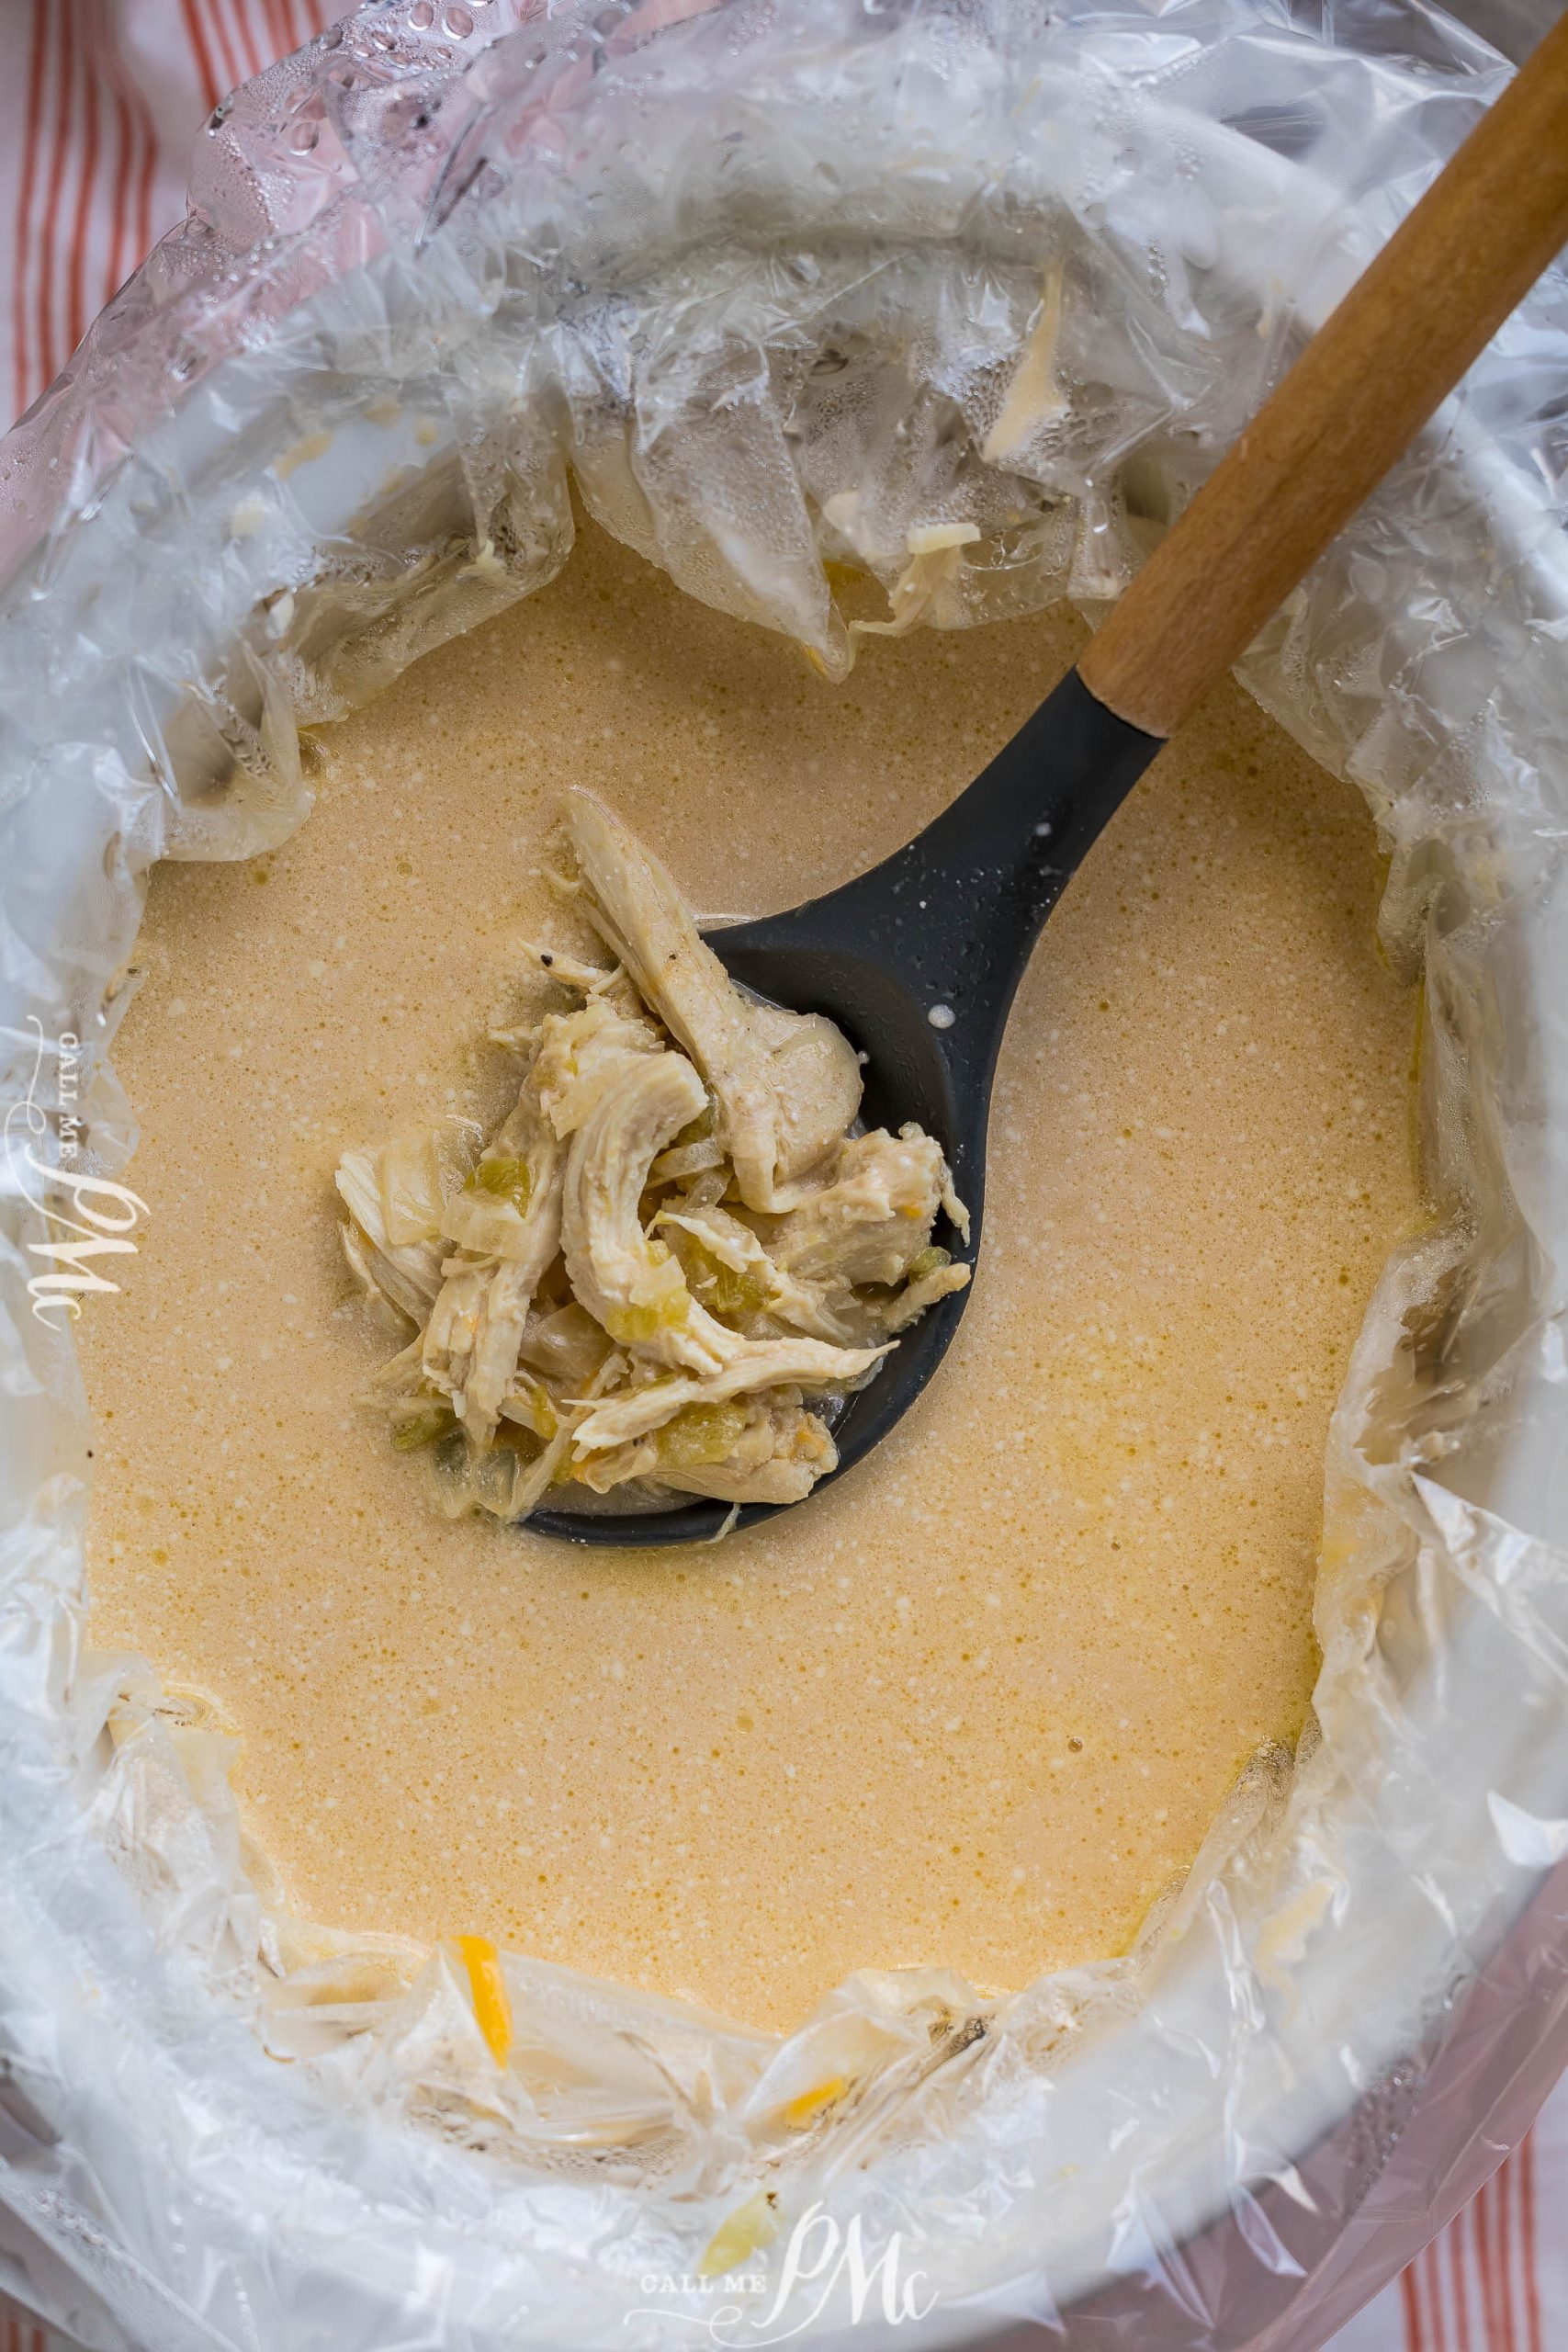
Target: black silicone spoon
917,960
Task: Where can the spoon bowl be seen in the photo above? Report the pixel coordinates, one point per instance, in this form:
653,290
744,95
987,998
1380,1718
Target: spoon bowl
908,1077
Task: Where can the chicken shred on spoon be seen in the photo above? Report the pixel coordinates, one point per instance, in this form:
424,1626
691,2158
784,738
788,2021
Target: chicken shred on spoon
675,1256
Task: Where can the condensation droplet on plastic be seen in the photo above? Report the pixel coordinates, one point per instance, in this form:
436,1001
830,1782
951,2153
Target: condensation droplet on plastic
421,16
458,21
303,137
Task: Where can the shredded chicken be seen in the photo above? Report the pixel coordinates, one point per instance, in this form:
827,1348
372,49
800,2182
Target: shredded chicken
581,1054
674,1260
407,1274
507,1223
870,1223
629,1284
787,1084
764,1363
766,1450
727,1269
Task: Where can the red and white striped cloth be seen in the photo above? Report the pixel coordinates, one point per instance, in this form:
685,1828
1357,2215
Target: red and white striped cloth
1496,2279
100,101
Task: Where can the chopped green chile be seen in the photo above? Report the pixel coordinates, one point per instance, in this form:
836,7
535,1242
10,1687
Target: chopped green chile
505,1176
696,1130
428,1426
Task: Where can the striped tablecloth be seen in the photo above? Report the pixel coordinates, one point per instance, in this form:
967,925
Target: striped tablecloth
99,102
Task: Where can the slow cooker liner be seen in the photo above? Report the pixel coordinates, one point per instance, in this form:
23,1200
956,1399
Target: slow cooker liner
719,273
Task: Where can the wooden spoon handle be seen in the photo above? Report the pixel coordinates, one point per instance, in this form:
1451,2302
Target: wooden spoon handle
1353,402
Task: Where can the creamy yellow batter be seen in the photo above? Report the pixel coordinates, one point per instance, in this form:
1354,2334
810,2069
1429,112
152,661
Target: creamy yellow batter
977,1704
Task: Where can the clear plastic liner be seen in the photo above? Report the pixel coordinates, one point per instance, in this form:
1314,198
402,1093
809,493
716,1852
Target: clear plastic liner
969,296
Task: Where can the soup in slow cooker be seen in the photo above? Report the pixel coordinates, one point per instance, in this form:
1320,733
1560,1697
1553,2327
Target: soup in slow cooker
977,1703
